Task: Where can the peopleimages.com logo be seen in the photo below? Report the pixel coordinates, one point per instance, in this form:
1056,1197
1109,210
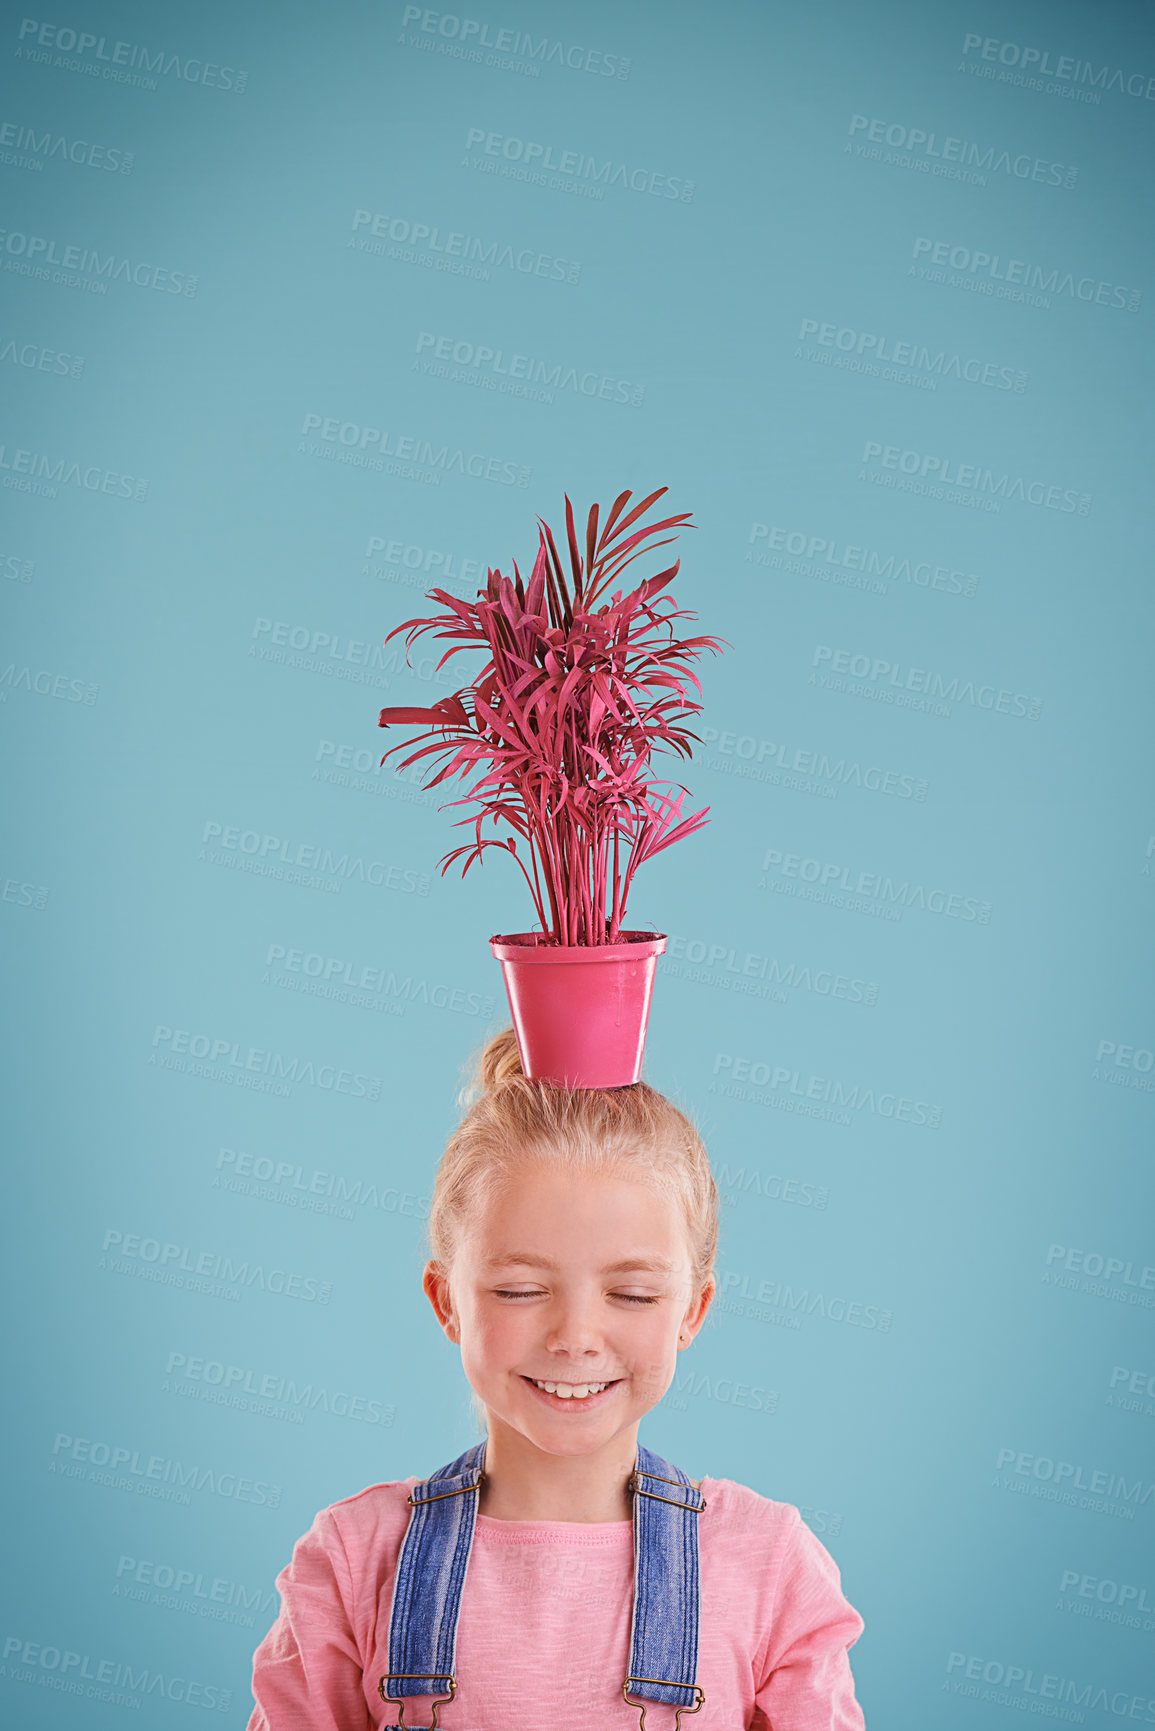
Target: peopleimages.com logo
1112,1271
827,1090
825,982
889,676
30,254
470,35
43,682
22,894
36,357
536,160
33,149
794,1303
453,251
145,1579
118,1683
958,158
1065,68
367,447
1140,1387
359,982
1010,1685
292,1185
36,472
249,849
1071,1484
862,891
420,565
920,358
845,562
125,1251
219,1059
1106,1591
804,767
994,268
464,362
122,62
122,1467
1124,1066
250,1390
773,1187
974,478
16,568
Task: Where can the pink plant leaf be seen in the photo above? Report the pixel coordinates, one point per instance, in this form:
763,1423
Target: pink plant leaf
591,537
553,737
638,511
616,509
574,555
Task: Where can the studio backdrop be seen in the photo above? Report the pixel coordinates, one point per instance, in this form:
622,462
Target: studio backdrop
309,308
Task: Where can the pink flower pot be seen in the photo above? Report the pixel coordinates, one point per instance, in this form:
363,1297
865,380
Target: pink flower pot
580,1011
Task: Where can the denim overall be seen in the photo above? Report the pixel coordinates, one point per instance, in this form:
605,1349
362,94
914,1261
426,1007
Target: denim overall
435,1555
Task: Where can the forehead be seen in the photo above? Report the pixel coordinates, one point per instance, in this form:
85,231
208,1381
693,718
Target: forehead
535,1258
551,1213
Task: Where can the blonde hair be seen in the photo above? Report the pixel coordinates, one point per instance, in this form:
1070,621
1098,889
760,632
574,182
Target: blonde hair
510,1118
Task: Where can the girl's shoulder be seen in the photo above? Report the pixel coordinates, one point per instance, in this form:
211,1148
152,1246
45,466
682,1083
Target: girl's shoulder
385,1502
739,1505
751,1535
361,1524
350,1542
747,1529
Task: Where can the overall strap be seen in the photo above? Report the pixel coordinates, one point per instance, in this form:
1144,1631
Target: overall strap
664,1631
427,1590
431,1573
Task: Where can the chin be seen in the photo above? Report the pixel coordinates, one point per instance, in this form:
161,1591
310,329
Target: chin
566,1448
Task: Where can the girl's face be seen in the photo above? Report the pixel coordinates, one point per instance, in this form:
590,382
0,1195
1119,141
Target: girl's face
570,1296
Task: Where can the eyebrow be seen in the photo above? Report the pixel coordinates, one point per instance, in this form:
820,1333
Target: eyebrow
633,1264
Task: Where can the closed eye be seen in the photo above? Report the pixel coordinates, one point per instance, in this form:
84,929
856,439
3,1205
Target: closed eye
627,1297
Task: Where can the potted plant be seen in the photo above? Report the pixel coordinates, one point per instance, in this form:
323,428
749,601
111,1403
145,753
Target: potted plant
583,680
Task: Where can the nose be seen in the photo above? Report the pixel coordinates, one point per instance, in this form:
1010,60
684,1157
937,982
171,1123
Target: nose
574,1330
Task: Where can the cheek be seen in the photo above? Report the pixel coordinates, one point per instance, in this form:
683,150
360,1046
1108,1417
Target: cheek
489,1335
654,1355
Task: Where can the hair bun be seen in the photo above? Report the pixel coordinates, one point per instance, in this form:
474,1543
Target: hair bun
499,1063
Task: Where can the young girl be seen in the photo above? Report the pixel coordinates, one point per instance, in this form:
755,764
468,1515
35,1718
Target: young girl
558,1575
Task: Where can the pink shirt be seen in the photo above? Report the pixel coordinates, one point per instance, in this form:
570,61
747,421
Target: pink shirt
543,1635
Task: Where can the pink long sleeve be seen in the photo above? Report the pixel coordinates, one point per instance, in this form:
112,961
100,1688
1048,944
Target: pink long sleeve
307,1671
808,1683
551,1600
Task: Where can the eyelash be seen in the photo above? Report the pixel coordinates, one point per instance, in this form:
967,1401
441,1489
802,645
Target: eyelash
627,1297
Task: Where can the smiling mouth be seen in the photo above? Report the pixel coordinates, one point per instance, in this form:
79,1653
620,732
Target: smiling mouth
571,1390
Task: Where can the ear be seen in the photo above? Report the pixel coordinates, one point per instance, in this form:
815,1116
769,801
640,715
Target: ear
435,1285
696,1314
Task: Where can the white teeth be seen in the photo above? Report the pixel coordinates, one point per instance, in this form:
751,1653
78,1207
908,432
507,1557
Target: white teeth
570,1390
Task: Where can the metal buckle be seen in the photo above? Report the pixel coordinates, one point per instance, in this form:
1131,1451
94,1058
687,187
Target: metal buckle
439,1496
699,1692
398,1701
694,1508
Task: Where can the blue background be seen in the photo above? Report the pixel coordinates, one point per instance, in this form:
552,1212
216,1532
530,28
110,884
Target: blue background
868,288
